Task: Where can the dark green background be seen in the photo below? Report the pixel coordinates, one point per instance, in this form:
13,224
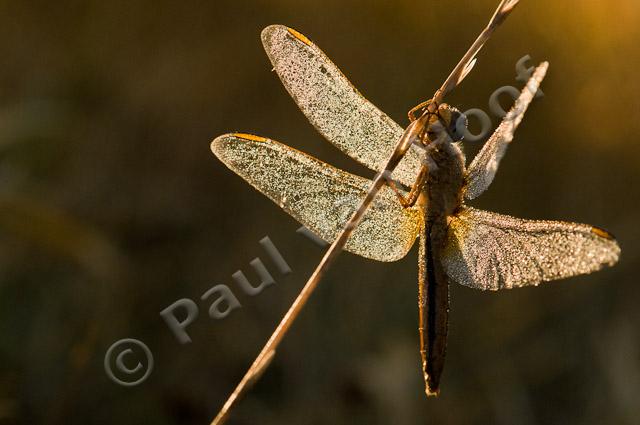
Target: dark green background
112,207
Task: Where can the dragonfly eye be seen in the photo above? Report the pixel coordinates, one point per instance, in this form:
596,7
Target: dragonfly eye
458,124
455,121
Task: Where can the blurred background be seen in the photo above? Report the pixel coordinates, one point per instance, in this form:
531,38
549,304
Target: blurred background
112,207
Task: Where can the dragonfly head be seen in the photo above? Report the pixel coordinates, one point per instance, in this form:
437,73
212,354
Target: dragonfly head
437,123
446,122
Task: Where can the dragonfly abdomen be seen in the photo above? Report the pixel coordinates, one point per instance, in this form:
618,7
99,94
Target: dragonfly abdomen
433,303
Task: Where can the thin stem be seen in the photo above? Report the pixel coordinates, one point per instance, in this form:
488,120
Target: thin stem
461,70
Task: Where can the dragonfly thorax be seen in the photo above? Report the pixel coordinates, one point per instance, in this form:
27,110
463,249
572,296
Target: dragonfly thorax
446,178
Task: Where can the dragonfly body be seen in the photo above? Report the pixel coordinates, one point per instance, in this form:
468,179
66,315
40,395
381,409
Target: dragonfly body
441,198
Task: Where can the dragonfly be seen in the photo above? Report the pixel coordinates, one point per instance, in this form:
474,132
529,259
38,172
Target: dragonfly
418,193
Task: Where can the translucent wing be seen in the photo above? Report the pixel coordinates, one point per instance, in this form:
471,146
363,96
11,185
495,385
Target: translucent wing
492,251
334,106
484,166
320,196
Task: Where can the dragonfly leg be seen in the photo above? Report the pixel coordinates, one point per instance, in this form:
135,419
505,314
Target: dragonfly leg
414,193
412,112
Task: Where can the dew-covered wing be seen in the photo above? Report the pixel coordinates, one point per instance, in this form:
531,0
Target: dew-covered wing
493,251
320,196
333,105
484,166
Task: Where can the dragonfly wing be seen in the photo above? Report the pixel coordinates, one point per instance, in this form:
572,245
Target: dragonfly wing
484,166
333,105
320,196
493,251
